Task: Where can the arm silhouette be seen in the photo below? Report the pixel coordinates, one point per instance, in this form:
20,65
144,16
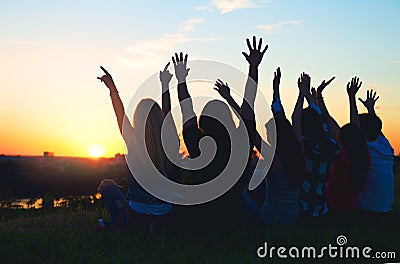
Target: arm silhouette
124,124
165,78
352,88
254,58
224,90
181,72
333,126
298,108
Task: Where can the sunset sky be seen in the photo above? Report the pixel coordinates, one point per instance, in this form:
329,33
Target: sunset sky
50,53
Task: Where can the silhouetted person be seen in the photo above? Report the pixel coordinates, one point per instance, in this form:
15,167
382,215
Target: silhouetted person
287,171
216,122
349,170
142,138
379,189
319,147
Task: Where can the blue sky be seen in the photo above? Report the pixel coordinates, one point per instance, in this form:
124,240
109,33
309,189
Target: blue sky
50,52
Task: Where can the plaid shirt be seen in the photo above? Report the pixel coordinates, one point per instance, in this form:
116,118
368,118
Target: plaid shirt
319,163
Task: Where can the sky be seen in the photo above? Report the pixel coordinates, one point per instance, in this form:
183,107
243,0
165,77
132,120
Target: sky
50,53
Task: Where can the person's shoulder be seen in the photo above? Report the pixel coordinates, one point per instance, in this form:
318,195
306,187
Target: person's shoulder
382,144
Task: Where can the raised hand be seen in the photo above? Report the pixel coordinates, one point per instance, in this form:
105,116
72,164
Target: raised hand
223,89
314,93
304,83
165,75
322,86
277,78
276,82
107,79
370,101
255,53
180,65
353,86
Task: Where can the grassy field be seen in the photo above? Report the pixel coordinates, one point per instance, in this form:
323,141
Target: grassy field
67,235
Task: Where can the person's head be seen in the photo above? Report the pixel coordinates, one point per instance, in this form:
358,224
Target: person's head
354,142
311,124
290,153
148,114
216,118
107,183
371,126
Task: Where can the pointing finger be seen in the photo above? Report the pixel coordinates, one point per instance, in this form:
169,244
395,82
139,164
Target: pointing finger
104,70
166,66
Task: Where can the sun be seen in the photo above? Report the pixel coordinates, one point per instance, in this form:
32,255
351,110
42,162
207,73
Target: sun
96,151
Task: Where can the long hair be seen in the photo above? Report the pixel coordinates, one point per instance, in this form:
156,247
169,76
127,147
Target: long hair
290,152
149,113
214,114
354,142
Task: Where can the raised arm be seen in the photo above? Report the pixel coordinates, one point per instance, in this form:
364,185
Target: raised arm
224,90
254,59
165,78
333,126
124,124
181,72
298,108
370,101
352,88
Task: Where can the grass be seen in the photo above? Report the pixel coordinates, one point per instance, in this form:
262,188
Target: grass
69,235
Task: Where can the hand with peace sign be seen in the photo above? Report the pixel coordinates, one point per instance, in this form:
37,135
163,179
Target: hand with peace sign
107,79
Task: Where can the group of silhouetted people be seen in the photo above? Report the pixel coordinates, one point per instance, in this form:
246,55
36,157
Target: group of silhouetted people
318,169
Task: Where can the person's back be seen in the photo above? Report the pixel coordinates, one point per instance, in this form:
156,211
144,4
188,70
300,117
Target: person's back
281,205
319,160
379,189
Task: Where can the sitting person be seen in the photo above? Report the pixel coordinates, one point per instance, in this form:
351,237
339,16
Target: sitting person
144,205
287,171
349,170
315,129
215,124
379,189
115,201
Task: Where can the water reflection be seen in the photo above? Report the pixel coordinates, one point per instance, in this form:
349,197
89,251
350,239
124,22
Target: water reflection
49,202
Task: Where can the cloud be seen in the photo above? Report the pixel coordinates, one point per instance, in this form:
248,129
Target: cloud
189,25
273,28
153,52
396,61
227,6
